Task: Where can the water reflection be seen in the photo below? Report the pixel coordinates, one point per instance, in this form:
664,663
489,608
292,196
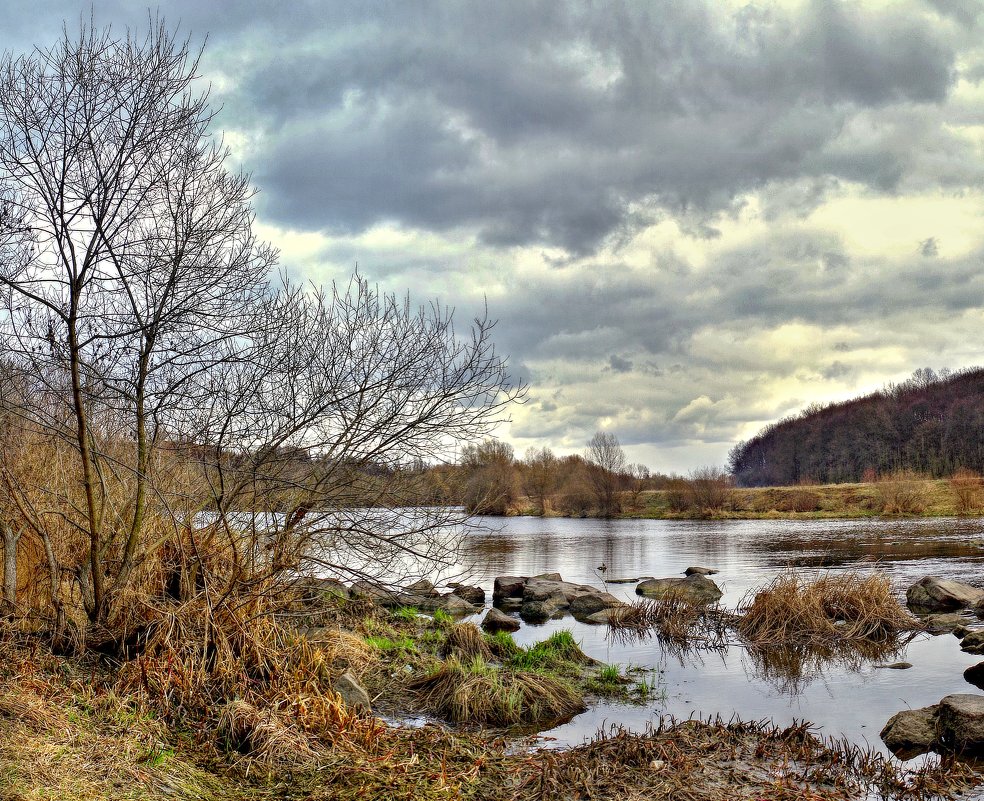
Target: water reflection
844,693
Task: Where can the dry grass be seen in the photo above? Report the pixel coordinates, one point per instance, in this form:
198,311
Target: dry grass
478,693
199,668
714,760
465,641
836,607
676,623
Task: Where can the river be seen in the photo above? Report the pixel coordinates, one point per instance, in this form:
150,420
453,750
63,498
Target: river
852,701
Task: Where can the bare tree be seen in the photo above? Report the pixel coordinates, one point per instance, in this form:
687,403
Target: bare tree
237,425
540,476
490,480
709,489
607,466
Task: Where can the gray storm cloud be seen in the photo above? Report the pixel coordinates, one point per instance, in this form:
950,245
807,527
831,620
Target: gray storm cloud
542,145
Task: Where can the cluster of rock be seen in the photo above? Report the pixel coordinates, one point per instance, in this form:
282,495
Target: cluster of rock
956,723
463,599
539,598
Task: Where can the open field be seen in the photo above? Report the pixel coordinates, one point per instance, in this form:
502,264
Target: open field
925,498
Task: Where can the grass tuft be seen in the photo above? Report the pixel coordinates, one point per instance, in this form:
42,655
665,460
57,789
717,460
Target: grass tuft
476,692
837,607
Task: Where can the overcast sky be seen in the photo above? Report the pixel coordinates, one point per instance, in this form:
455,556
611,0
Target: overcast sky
690,218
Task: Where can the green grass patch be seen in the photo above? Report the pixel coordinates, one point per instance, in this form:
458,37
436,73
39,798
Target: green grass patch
389,645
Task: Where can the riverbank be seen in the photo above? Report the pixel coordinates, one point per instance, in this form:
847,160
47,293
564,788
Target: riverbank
90,727
924,498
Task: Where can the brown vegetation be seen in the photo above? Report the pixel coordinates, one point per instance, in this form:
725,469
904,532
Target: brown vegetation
837,607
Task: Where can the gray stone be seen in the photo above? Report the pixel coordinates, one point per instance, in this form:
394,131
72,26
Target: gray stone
496,620
474,595
960,721
588,603
695,589
695,570
367,590
932,594
942,622
624,580
973,643
895,666
508,587
602,616
541,611
911,732
352,692
422,587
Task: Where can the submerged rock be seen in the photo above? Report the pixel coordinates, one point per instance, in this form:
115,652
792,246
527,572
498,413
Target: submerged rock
697,589
941,623
695,570
895,666
496,620
932,594
911,732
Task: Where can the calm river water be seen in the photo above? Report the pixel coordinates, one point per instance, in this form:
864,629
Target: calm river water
851,701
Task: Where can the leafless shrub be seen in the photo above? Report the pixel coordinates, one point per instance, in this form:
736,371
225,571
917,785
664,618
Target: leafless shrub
901,492
966,488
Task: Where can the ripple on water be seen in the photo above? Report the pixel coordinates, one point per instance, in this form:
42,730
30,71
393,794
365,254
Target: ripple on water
852,699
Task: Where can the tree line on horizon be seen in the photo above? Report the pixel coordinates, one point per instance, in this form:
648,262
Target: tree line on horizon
931,424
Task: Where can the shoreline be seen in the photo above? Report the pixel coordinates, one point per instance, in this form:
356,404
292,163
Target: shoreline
933,499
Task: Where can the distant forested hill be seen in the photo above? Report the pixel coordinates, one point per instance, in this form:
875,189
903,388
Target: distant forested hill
932,423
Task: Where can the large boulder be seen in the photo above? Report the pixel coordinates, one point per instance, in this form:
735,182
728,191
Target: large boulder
932,594
960,722
352,693
696,589
911,732
495,620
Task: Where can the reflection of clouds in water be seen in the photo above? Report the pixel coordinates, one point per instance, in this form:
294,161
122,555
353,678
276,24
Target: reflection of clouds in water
843,696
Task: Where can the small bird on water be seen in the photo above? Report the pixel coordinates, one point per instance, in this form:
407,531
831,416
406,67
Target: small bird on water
602,567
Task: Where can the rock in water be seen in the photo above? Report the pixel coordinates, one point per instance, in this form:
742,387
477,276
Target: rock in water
960,721
695,570
499,621
973,642
932,594
474,595
911,732
975,675
696,589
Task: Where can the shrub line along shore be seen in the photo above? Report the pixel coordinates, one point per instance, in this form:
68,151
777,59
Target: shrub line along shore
925,498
